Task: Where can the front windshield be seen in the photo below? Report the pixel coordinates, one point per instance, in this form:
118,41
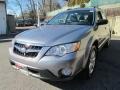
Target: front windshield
78,17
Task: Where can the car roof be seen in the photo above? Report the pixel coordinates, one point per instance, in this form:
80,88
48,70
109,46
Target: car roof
91,9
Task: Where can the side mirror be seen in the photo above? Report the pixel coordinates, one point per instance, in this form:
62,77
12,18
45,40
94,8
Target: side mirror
102,22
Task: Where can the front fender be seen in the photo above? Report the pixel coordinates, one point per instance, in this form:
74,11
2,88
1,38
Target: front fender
87,50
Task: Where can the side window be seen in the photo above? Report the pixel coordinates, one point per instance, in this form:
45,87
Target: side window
99,16
104,15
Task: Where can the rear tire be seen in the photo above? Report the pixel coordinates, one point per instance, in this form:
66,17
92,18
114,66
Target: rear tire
89,70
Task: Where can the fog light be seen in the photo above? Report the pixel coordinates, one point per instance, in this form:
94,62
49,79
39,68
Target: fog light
66,72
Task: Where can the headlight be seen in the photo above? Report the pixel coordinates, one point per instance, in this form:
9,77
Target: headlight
61,50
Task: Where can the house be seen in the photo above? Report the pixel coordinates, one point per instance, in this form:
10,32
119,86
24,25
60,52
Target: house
3,24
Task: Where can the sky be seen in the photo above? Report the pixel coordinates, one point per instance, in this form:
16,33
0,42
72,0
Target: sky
12,8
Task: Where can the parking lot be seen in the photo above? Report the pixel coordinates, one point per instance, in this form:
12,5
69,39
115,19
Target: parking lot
106,76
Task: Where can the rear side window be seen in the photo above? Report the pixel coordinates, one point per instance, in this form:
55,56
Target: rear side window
104,15
99,16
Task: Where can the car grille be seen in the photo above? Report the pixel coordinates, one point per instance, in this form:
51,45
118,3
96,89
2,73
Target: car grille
26,50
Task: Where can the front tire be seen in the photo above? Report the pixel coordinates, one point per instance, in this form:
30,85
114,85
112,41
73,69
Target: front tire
91,63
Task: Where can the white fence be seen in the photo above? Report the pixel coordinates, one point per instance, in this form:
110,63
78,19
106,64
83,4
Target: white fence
117,26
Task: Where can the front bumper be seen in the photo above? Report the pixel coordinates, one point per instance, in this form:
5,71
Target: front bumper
49,67
37,73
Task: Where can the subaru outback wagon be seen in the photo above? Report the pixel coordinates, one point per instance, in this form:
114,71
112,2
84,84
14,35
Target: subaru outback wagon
66,45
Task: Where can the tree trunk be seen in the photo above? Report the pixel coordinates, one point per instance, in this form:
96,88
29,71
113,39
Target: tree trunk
21,9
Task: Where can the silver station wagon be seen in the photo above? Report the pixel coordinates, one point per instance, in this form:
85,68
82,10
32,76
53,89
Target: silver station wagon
65,46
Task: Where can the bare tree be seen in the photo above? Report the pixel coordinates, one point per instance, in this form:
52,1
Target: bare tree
19,3
51,5
44,7
31,5
48,6
77,2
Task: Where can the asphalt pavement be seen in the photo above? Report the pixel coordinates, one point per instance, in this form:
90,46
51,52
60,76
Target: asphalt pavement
106,76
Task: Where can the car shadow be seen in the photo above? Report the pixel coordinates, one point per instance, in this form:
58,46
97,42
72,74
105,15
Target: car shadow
106,75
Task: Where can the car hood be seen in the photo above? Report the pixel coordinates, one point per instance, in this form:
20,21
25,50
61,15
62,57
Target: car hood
50,35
